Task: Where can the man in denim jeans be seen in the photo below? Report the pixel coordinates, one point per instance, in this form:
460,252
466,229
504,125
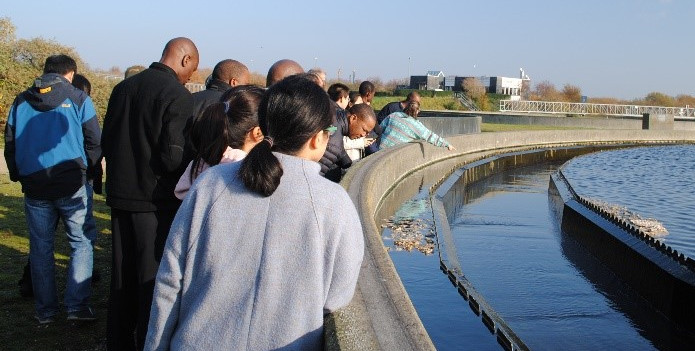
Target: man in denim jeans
51,137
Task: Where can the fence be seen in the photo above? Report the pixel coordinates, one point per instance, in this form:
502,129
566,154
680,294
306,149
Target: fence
592,109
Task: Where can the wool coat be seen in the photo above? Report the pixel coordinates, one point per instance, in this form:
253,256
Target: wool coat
242,271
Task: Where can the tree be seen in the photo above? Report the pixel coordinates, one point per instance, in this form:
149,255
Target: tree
7,39
659,99
607,100
474,89
22,60
200,75
685,100
257,79
133,70
571,93
378,83
545,91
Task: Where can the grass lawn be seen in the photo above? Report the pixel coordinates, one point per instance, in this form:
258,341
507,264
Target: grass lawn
18,329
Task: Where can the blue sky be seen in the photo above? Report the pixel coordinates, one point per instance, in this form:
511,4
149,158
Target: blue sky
615,48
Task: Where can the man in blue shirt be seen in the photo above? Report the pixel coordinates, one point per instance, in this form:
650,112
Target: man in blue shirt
51,138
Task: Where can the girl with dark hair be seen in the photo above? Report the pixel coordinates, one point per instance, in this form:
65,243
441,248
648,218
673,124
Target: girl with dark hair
81,82
224,132
262,249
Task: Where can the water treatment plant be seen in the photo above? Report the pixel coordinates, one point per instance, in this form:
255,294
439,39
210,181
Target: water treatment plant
508,252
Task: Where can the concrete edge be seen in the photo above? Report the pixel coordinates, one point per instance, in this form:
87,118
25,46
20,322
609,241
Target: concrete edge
380,294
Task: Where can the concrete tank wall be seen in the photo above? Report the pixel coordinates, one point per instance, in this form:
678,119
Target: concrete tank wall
381,315
447,126
561,120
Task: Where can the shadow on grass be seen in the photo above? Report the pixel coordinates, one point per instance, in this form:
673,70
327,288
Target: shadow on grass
18,329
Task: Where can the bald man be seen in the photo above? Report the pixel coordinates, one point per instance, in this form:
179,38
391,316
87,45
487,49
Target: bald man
143,144
281,69
226,75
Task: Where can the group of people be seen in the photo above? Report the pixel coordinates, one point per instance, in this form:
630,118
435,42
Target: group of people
227,227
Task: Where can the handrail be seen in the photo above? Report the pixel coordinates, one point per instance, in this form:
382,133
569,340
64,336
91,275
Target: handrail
592,109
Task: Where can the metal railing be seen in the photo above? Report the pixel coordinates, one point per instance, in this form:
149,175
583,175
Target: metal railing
195,87
466,101
592,109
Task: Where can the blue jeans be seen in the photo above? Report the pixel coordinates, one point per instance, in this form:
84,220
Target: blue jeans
42,218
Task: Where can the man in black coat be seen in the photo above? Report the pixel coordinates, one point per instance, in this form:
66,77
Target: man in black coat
143,143
356,122
226,75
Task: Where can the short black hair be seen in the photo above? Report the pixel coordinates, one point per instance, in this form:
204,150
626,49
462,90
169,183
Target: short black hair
363,112
366,87
338,91
61,64
228,69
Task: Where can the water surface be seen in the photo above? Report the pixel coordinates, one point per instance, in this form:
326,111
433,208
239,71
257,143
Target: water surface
547,288
656,182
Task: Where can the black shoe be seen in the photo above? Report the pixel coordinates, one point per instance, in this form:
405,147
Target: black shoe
85,315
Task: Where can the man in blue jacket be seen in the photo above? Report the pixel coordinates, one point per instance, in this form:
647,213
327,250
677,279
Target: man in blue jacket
51,138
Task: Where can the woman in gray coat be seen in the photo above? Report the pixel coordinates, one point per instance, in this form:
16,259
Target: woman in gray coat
261,250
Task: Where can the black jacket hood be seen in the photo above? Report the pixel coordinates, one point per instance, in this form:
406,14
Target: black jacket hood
48,92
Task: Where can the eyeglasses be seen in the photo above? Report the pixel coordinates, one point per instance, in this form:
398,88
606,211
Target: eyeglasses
331,130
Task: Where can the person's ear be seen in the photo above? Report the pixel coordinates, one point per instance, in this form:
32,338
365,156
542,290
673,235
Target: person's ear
232,82
256,134
185,60
315,140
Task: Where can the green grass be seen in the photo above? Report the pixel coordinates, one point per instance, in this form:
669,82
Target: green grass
427,103
18,329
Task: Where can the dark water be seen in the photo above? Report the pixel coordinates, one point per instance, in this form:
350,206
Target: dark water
446,316
655,182
547,288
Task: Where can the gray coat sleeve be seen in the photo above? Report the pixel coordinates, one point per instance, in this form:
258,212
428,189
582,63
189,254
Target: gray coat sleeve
348,251
166,299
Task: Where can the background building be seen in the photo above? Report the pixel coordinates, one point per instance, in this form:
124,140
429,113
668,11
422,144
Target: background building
436,80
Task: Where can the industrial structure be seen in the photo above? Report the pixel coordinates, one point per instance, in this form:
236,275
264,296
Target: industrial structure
437,80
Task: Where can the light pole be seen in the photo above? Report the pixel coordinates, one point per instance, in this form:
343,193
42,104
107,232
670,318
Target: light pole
316,59
408,67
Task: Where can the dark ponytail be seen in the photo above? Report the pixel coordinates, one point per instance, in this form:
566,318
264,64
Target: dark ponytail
242,111
209,136
291,112
261,170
